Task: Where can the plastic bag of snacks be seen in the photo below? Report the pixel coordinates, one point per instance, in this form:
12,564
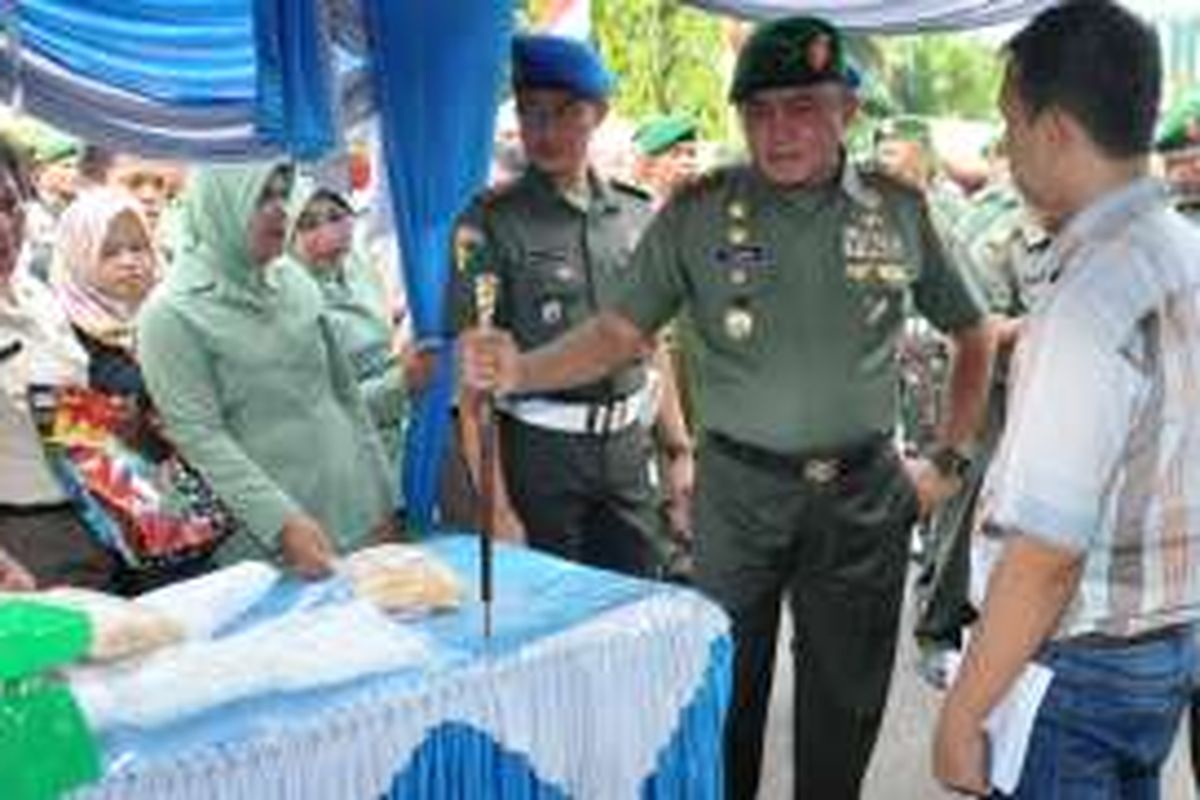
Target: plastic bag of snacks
403,577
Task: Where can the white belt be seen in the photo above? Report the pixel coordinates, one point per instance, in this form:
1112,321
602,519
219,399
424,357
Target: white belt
588,418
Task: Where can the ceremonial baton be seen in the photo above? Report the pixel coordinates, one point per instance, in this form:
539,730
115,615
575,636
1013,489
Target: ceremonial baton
484,283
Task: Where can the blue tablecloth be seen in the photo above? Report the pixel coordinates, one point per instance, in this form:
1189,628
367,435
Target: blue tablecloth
594,685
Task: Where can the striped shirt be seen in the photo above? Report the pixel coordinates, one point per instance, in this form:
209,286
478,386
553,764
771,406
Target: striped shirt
1101,452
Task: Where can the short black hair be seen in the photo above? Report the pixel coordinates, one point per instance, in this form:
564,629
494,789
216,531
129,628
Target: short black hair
14,160
1098,62
95,162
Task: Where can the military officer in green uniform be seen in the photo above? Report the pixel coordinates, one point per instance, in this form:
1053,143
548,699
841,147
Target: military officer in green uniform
996,243
798,270
575,471
666,153
1178,142
904,150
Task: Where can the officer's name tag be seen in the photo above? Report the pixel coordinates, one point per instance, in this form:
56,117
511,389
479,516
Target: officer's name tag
745,255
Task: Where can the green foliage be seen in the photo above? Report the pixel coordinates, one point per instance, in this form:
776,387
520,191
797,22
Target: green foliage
942,75
669,59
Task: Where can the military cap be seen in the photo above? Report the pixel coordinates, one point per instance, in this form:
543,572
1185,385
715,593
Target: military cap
796,51
1180,127
906,127
541,61
659,134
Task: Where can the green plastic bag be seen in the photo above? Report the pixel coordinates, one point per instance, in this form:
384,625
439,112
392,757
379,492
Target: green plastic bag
46,747
35,637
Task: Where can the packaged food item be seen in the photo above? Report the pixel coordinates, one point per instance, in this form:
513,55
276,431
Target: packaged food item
206,604
403,577
120,628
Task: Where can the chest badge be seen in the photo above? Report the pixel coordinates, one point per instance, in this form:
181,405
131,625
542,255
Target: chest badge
739,323
552,312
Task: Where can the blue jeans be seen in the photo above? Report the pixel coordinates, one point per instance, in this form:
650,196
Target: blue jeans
1109,718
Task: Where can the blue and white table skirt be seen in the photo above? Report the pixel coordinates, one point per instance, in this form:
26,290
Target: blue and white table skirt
594,685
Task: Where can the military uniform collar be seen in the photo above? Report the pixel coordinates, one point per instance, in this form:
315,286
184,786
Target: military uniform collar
602,196
848,182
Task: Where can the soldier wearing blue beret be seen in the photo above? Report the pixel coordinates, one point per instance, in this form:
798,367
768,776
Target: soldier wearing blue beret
576,475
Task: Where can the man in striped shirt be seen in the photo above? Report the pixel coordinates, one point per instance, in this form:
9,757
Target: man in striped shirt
1092,505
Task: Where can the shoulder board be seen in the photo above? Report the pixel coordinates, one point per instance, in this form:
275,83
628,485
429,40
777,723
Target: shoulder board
876,177
640,192
493,194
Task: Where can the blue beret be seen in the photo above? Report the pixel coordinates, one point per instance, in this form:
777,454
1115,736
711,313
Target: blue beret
556,62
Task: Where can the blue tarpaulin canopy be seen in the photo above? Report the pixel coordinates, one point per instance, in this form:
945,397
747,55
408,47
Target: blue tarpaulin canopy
890,16
244,79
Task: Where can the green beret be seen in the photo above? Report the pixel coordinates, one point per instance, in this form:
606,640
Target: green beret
796,51
44,144
657,135
1180,127
907,128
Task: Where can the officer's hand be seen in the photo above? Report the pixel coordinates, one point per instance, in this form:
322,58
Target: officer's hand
508,526
306,547
933,487
681,483
960,752
13,576
489,360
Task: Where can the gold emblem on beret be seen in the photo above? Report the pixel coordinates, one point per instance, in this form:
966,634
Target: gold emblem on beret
739,323
819,53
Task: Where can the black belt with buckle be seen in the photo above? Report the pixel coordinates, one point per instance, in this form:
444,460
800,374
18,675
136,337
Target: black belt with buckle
816,466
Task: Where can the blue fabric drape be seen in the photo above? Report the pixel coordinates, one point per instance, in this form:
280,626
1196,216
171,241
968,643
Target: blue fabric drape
182,78
295,84
436,67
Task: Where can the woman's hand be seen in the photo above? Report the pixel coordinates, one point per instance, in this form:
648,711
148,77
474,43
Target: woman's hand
306,547
13,576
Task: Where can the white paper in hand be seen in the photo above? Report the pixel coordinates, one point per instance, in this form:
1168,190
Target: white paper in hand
1010,724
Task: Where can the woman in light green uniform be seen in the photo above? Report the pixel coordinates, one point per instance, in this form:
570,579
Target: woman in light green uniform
356,302
252,385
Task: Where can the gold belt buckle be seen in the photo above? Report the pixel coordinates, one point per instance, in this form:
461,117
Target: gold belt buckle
820,470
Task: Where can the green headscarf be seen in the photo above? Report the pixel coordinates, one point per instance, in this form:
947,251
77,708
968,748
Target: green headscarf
217,207
304,191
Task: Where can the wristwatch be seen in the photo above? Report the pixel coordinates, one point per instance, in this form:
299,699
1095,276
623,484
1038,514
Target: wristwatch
950,461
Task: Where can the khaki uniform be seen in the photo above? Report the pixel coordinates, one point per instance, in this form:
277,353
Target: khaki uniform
798,298
576,462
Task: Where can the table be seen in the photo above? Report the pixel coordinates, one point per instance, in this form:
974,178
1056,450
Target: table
594,685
